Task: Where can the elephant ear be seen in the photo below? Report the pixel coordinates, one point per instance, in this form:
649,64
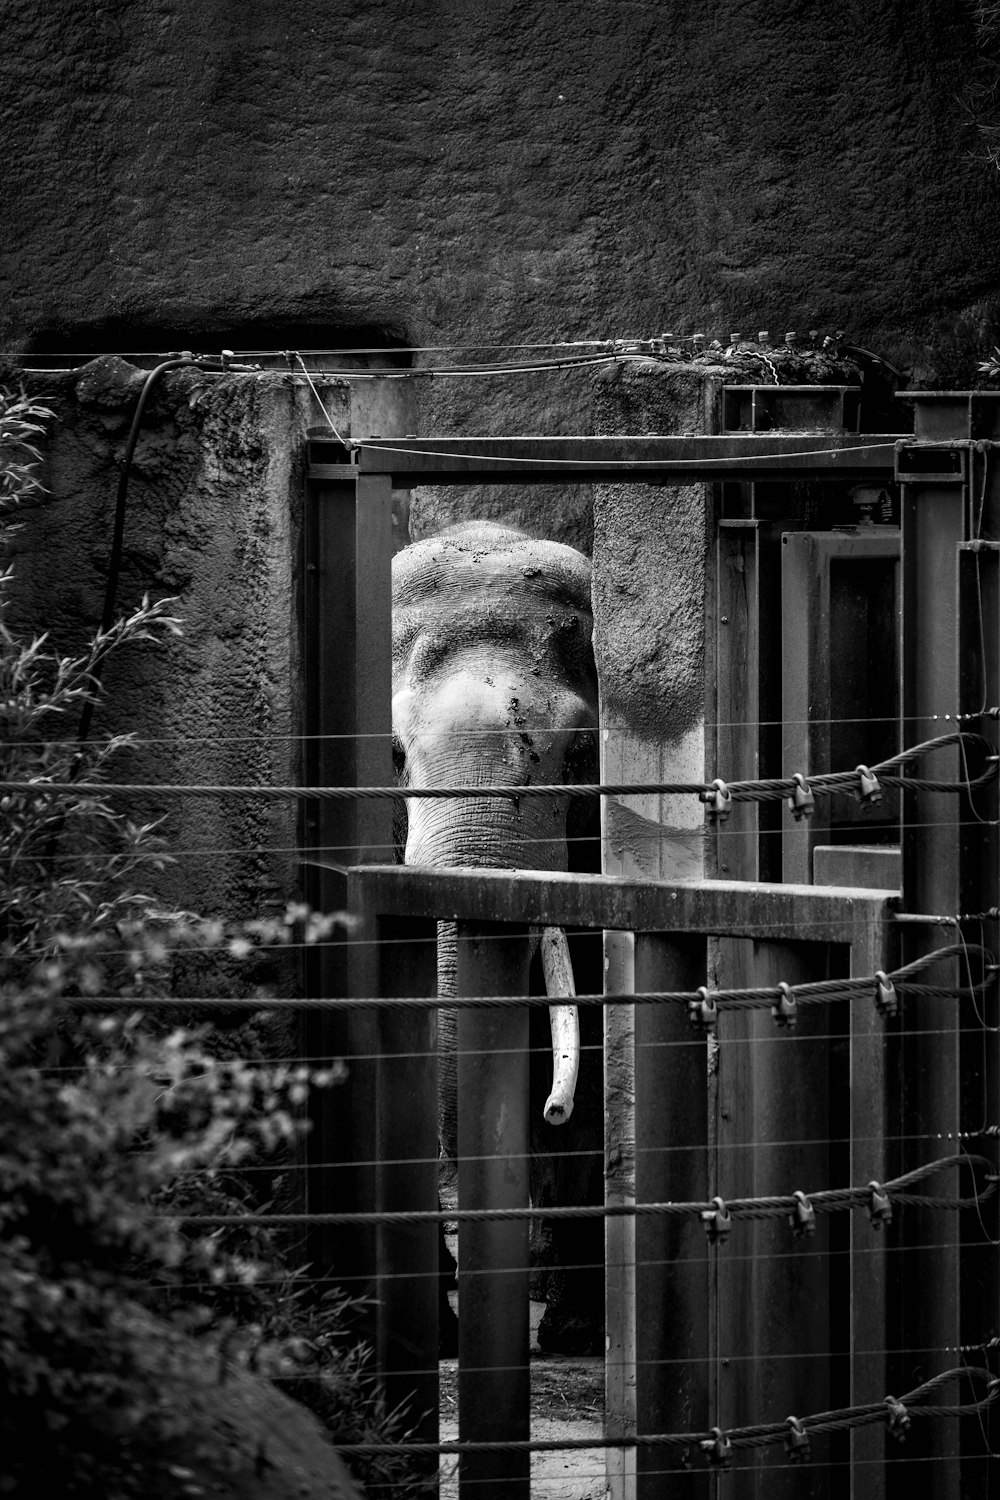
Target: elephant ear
400,815
583,817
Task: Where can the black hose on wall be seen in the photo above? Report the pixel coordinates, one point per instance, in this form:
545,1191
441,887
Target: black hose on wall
118,533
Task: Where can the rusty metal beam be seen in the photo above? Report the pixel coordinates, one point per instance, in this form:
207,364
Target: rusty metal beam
780,912
946,1071
493,1373
647,460
671,1266
346,610
840,633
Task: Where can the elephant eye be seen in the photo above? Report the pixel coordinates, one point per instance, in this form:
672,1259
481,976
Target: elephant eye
582,757
398,759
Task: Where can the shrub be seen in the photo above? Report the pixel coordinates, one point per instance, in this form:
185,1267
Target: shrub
114,1128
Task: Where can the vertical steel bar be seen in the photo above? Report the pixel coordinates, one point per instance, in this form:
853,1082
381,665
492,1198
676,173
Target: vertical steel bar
979,688
839,664
672,1292
775,1311
747,699
805,700
737,695
493,1371
407,1174
620,1416
867,1251
933,526
734,1104
348,543
373,663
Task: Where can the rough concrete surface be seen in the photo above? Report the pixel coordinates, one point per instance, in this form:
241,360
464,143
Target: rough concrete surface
468,173
212,520
649,560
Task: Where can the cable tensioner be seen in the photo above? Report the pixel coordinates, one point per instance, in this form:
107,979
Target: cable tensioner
886,999
802,803
797,1444
703,1013
785,1009
880,1208
869,790
717,1449
718,801
898,1418
803,1218
718,1221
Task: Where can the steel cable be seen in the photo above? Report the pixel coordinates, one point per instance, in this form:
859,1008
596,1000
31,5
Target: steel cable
828,1200
896,1411
812,992
764,790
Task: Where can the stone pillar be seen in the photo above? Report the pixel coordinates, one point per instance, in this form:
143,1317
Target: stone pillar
650,547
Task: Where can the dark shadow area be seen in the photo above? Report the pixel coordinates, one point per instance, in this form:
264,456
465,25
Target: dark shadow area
258,341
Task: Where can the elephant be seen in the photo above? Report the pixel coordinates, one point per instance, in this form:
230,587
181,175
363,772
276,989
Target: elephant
494,682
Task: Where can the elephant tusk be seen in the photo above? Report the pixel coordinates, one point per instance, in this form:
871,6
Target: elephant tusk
565,1023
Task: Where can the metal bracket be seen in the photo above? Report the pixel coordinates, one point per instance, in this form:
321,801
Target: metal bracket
931,462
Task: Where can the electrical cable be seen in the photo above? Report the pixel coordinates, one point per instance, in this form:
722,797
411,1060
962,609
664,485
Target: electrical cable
118,530
346,442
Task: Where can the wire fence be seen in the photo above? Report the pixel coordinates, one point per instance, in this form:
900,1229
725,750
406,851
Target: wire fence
886,992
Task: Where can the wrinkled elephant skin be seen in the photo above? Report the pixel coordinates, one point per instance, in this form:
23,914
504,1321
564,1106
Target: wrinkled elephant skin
494,682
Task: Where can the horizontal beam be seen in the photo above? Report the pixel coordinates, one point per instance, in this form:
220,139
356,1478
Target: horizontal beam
781,912
580,460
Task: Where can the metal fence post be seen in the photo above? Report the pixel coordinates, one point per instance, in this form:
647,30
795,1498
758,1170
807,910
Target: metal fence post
493,1372
671,1163
948,1084
347,664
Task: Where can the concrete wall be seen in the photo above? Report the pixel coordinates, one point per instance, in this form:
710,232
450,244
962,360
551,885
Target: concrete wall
213,520
456,172
326,172
650,546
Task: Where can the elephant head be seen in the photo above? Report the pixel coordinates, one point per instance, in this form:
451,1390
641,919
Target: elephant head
494,682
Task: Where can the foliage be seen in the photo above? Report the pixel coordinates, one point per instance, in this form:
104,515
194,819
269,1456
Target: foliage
113,1130
22,423
990,366
981,96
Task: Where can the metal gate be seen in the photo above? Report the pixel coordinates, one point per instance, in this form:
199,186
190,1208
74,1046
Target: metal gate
734,1330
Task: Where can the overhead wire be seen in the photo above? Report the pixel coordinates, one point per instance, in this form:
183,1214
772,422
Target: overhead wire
460,731
811,992
714,1213
758,789
720,1445
175,855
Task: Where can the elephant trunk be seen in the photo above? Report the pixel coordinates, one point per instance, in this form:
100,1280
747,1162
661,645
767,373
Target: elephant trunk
563,1020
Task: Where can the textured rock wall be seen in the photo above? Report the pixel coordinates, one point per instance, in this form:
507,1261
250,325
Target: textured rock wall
459,173
649,634
213,519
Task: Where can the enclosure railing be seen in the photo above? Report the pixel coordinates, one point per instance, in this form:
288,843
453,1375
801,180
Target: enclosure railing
714,1337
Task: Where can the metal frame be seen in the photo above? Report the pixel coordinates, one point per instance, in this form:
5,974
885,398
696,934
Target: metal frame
777,456
350,548
812,660
738,1313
